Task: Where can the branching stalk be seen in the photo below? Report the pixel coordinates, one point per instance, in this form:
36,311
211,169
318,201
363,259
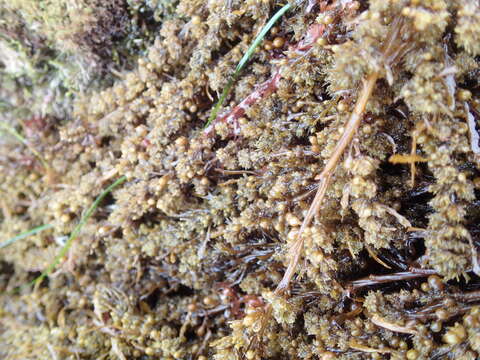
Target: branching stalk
392,50
326,176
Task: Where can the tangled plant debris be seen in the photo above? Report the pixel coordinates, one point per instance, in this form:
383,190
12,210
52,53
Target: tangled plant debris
330,210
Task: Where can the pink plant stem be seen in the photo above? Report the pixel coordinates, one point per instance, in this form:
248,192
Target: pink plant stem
231,118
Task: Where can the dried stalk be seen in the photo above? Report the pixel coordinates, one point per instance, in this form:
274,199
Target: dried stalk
326,176
383,279
392,51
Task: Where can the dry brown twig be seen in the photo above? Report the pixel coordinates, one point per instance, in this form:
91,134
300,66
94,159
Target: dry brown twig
383,279
409,328
393,50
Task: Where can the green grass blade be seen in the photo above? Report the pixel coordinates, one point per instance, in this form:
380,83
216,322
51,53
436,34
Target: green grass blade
244,60
221,100
260,37
25,234
76,230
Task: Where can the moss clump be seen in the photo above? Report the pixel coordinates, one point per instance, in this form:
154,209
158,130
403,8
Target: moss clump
182,261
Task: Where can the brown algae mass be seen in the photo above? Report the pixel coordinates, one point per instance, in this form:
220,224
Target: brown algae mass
330,210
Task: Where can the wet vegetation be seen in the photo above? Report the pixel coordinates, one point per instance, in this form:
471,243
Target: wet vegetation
329,210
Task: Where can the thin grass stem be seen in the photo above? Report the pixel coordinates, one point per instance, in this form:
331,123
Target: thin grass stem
25,234
73,235
243,61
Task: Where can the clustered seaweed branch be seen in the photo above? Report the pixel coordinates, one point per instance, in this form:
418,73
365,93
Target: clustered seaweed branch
191,247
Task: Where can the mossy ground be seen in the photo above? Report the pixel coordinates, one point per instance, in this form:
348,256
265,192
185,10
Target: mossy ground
182,260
